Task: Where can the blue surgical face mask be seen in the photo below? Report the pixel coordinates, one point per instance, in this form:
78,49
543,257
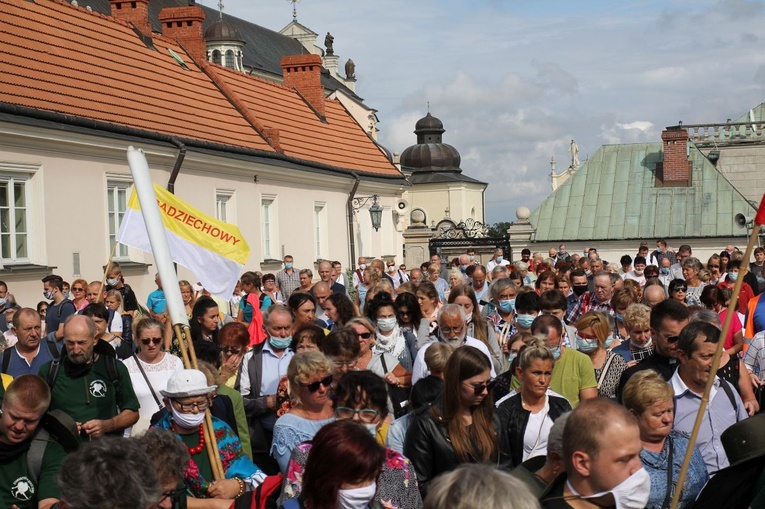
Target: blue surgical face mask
588,272
511,357
556,352
664,271
609,340
524,321
500,258
619,317
507,306
66,295
733,276
288,265
280,343
585,345
463,268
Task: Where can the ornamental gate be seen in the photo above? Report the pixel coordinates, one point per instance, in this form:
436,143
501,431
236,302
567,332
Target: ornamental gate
454,239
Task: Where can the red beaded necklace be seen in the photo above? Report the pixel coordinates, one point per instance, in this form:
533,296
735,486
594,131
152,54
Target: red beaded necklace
199,448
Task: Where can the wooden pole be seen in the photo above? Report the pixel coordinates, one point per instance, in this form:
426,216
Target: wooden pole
190,362
718,353
106,272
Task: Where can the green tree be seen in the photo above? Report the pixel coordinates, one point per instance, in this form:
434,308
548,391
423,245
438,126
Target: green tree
499,229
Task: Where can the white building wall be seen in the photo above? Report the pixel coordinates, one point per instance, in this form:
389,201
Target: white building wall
462,201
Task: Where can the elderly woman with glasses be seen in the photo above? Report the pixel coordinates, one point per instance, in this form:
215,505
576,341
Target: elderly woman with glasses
677,290
310,380
361,397
233,339
188,397
461,427
150,369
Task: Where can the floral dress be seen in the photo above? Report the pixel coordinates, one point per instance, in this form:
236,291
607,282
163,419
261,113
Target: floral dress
396,485
235,462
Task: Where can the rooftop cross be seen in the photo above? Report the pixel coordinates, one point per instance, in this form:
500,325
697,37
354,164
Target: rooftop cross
220,8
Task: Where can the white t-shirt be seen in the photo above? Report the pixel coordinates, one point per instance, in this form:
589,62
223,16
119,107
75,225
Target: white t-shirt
537,430
158,374
420,369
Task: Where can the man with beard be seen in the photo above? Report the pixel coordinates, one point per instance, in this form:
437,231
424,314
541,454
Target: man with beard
452,329
90,384
26,482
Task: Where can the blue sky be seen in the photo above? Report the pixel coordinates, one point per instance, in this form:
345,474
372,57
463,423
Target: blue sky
515,81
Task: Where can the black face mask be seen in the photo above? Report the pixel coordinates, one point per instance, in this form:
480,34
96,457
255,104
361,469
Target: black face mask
579,289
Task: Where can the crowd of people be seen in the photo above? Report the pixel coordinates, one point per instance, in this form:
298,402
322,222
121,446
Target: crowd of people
553,381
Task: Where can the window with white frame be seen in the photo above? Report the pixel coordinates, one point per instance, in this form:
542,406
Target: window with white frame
268,226
14,219
223,206
320,230
117,198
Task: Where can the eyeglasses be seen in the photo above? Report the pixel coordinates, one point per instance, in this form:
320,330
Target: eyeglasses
478,389
672,339
231,350
189,407
177,492
366,415
314,386
153,341
364,335
451,330
346,364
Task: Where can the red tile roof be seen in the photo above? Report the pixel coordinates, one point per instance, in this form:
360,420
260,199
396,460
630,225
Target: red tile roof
64,59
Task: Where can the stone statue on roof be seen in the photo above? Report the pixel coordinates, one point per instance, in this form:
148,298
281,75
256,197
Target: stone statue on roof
328,43
350,70
574,149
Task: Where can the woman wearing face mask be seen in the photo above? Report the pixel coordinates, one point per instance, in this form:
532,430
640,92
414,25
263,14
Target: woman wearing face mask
529,414
620,301
503,292
526,310
188,397
746,292
341,471
465,414
648,396
478,327
591,333
360,397
503,382
392,339
637,321
310,379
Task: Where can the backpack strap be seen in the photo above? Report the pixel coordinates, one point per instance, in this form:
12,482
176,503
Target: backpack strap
729,392
53,372
6,359
53,349
35,455
111,369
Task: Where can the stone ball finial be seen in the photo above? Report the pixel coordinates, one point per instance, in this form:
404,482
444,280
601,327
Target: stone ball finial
418,216
522,213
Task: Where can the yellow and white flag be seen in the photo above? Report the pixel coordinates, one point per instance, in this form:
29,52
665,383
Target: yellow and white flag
213,250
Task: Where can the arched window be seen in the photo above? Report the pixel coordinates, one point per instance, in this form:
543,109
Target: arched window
230,59
216,57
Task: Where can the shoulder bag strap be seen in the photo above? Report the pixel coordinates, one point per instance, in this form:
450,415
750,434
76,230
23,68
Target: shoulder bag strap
606,365
6,359
154,395
668,496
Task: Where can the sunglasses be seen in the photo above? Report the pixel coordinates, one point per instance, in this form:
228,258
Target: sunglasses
404,313
364,335
679,290
153,341
231,350
672,339
488,386
78,289
314,386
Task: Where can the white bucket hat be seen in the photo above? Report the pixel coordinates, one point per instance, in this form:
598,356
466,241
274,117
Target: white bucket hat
187,382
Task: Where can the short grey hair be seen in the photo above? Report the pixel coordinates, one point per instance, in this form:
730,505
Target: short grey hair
125,476
692,262
452,310
276,308
707,316
522,266
472,485
499,286
555,437
168,454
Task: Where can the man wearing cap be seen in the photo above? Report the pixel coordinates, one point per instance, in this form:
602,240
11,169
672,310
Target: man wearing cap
26,482
695,351
89,383
188,397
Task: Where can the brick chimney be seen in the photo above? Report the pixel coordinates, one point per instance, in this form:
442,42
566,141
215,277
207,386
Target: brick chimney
303,73
132,11
676,168
184,24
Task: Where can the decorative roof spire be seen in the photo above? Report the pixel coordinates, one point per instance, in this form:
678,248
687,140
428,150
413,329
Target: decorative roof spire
294,9
220,9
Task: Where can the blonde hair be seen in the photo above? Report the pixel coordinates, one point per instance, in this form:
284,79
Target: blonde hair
599,324
437,355
645,388
637,317
304,366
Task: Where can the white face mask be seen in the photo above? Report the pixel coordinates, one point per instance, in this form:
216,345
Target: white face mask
188,421
386,324
112,282
631,493
362,266
358,498
372,428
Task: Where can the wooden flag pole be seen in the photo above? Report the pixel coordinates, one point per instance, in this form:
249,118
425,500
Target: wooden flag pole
718,352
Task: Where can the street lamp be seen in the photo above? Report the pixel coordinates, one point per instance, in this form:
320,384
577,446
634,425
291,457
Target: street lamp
375,211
